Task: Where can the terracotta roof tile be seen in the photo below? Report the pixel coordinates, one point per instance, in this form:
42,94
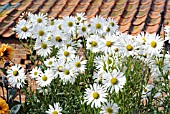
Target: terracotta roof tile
133,16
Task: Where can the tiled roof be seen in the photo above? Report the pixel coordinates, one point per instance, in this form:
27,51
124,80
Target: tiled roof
133,16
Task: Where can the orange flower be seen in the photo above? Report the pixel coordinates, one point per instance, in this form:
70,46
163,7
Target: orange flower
6,52
4,108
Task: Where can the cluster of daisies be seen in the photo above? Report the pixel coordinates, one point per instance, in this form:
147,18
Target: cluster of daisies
102,39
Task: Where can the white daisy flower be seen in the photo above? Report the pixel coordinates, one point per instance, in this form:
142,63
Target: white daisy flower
54,110
45,78
35,72
38,19
78,64
39,32
147,91
57,25
154,44
50,62
83,29
127,45
167,33
97,77
43,47
93,43
58,67
112,25
109,108
58,38
23,29
108,44
69,25
68,74
66,53
114,80
16,76
95,95
97,24
80,17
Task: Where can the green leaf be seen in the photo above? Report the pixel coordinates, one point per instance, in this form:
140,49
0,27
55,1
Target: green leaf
4,70
15,109
12,93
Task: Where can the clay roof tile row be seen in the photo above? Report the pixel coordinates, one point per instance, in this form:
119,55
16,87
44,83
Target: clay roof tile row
133,16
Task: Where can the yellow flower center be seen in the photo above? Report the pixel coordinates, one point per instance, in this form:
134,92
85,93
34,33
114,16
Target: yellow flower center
68,45
129,47
116,49
39,20
109,110
59,26
24,29
52,22
44,46
93,43
83,29
113,81
49,38
70,24
59,68
145,90
50,62
107,29
112,24
41,33
58,38
109,61
35,73
66,53
98,25
44,78
78,18
144,39
77,64
54,112
15,72
66,72
153,44
95,95
109,43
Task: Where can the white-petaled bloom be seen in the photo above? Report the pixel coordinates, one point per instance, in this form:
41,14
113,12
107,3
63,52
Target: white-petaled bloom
43,46
45,78
142,37
114,80
95,95
69,24
108,44
80,17
58,67
54,110
127,45
35,72
97,77
50,62
97,24
147,91
167,33
66,53
154,44
39,32
93,43
16,76
78,64
56,25
109,108
68,74
83,29
23,29
69,42
38,19
112,25
58,38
